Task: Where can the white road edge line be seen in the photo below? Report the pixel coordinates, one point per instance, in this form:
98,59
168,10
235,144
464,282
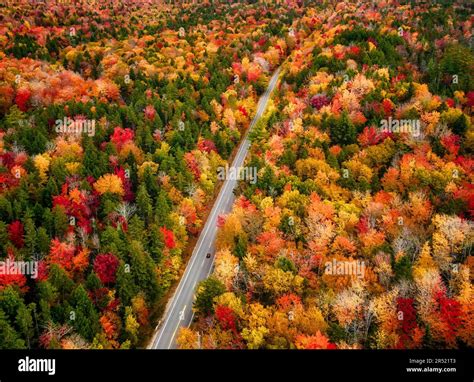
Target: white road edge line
242,149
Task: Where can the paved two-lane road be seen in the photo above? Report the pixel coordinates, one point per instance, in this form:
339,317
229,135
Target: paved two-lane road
179,310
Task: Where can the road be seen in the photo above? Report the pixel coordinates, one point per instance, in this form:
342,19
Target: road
179,309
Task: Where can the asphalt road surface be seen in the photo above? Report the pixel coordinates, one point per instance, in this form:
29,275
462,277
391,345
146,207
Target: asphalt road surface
179,310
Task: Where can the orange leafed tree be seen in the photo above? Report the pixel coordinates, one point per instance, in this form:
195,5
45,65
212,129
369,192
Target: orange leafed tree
318,341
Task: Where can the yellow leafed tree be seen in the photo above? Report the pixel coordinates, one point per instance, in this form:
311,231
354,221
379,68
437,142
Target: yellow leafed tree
109,183
42,162
226,267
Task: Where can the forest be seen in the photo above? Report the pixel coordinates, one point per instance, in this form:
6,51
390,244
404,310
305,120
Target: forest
356,232
355,235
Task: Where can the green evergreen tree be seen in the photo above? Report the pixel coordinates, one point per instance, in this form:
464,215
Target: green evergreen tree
143,270
30,235
3,238
9,338
47,296
85,318
24,322
162,209
60,222
341,130
144,206
60,281
126,287
207,290
240,249
43,241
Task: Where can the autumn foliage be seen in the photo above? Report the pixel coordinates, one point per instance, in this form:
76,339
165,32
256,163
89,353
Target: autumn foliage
105,266
356,231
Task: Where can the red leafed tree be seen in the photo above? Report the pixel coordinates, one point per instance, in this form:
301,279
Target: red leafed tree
470,99
387,107
23,95
99,296
450,102
168,237
253,74
105,266
363,225
354,50
408,323
319,100
237,68
42,271
15,233
75,203
244,203
271,242
244,111
108,327
451,143
121,136
466,193
7,279
127,185
221,221
193,165
62,254
226,318
150,112
369,136
450,315
206,145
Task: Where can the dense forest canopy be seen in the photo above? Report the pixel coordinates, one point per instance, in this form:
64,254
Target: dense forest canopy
115,118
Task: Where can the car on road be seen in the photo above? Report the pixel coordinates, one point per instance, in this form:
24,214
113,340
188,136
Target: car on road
208,256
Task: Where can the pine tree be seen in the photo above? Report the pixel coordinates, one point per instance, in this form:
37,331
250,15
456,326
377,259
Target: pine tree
110,241
240,249
14,116
3,238
60,281
144,138
43,241
149,180
30,235
47,296
126,287
48,222
162,209
93,282
6,212
156,244
342,130
9,338
143,270
86,319
24,322
207,290
93,163
60,222
259,132
51,189
145,208
136,228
